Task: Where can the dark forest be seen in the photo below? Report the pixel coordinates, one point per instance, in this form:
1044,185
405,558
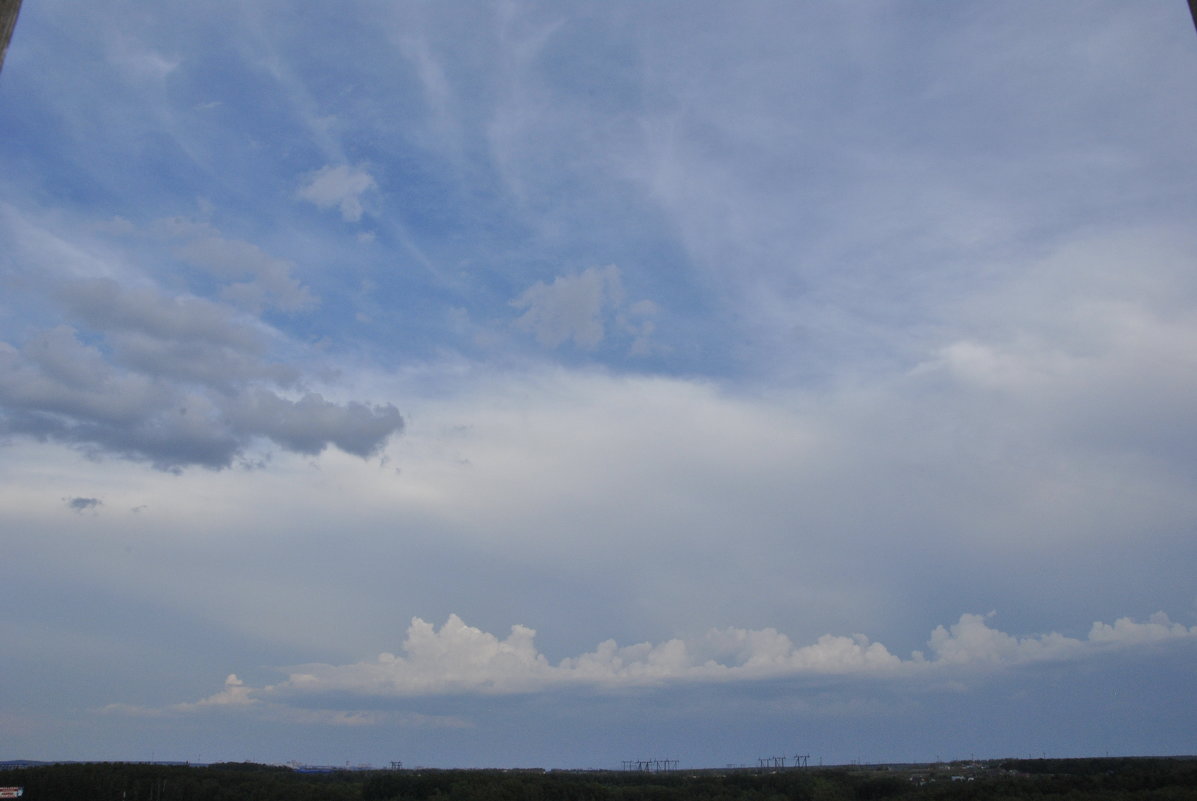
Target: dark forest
1103,779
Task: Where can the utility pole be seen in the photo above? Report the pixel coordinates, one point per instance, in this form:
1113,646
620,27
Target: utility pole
8,20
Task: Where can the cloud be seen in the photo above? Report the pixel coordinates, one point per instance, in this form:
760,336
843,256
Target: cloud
572,307
458,659
269,281
237,695
83,504
107,305
61,388
972,641
340,186
182,337
171,377
57,379
1128,632
309,424
578,306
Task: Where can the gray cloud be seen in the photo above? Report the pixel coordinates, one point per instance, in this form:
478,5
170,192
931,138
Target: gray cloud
59,378
83,504
219,368
270,281
103,303
174,380
311,423
170,377
182,337
579,306
60,388
266,280
572,307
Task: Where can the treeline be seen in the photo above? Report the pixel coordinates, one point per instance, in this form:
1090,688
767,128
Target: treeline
1043,780
115,781
631,786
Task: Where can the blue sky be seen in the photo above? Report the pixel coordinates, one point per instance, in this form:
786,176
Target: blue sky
560,384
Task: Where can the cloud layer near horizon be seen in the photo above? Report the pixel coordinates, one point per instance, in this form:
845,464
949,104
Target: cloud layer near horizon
458,659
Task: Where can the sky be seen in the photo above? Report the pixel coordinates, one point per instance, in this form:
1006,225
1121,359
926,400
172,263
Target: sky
559,384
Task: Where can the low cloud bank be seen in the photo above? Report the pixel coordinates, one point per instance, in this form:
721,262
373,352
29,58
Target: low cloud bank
458,659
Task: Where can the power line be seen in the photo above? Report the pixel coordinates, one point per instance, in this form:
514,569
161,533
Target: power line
650,765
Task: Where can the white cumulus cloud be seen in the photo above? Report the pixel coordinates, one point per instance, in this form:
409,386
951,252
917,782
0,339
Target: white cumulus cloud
458,659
